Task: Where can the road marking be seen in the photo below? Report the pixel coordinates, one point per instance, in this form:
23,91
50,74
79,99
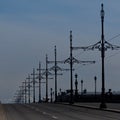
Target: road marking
44,113
37,109
54,117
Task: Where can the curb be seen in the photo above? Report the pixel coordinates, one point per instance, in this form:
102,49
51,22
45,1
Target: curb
92,107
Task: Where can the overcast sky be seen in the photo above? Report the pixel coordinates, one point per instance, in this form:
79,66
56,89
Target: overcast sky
29,29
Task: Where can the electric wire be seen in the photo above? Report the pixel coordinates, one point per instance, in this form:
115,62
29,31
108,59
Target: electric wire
116,36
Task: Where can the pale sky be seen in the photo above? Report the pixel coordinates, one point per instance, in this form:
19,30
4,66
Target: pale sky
29,29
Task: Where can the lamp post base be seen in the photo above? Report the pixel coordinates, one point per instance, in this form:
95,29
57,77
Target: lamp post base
103,106
71,102
39,101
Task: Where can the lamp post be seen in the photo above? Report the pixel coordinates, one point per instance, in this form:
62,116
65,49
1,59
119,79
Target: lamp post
29,86
51,94
76,86
39,69
33,74
81,87
33,85
95,78
71,60
24,92
40,80
71,72
60,95
103,104
102,46
47,73
46,78
56,68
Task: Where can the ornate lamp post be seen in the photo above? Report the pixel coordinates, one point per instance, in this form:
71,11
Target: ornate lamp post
102,46
51,92
76,86
103,104
81,87
95,78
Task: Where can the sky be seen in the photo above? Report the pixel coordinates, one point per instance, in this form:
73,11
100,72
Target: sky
30,29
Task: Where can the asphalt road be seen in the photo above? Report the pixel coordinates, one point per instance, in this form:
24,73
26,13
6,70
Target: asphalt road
47,111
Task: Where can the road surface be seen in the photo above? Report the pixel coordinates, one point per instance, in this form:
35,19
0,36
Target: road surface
47,111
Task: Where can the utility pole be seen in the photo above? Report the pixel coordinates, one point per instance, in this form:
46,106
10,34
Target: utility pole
102,45
71,67
47,73
39,69
25,91
46,78
102,105
56,68
40,80
55,75
22,94
33,74
19,96
29,86
71,60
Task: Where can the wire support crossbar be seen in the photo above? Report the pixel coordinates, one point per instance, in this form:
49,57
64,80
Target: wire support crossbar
98,46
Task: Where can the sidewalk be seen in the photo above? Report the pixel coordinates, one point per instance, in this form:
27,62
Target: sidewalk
112,107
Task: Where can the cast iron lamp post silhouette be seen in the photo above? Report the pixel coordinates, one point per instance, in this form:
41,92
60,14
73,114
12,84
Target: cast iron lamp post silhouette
102,46
81,87
95,78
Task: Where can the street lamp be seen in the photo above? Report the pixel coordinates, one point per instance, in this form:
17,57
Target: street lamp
103,104
102,46
81,87
76,86
95,78
51,94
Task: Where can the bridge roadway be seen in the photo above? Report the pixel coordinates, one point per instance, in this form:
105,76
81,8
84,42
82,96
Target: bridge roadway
48,111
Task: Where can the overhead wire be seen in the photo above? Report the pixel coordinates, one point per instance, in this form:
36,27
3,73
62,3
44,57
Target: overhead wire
114,37
98,61
118,35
